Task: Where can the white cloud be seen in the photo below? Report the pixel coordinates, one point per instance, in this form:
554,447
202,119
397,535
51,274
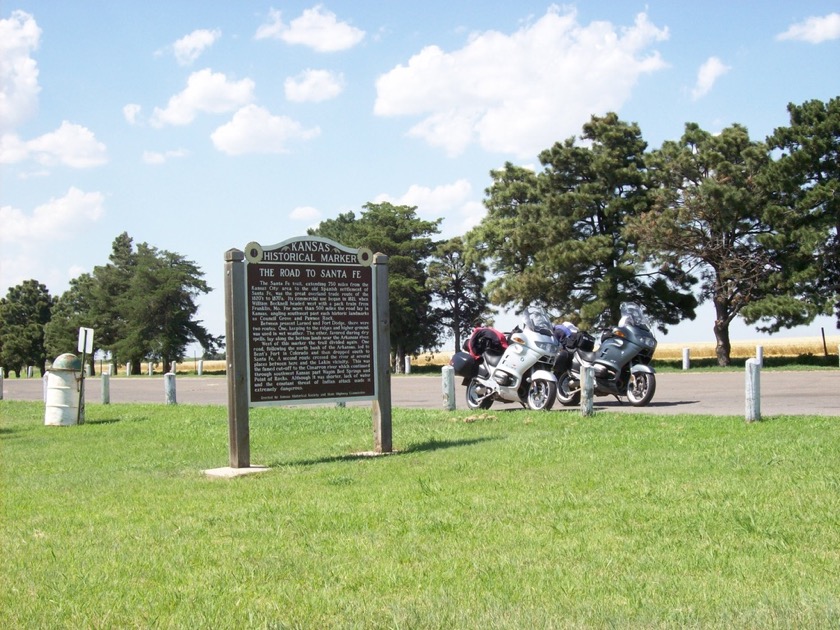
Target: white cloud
521,92
708,74
56,220
131,112
454,202
70,145
207,91
154,158
189,48
19,37
12,149
432,201
313,86
316,28
814,30
305,213
254,129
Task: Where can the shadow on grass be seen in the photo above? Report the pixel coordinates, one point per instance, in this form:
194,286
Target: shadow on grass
431,445
654,403
104,421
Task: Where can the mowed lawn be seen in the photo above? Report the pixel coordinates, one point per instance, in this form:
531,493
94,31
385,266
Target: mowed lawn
503,519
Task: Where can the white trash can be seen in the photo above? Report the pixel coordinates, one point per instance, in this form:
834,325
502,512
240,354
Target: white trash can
62,405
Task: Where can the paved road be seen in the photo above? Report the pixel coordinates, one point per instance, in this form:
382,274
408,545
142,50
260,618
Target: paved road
716,393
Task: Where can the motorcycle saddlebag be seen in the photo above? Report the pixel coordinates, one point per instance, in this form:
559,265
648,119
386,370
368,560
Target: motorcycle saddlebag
464,364
580,340
562,361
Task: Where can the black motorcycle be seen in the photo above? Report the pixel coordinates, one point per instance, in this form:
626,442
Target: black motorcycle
621,363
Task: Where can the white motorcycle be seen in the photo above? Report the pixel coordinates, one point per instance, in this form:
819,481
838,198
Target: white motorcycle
512,368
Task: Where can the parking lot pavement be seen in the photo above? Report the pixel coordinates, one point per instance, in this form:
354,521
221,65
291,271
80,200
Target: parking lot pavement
709,393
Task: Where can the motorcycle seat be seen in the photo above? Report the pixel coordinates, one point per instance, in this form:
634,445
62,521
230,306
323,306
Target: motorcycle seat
588,357
492,358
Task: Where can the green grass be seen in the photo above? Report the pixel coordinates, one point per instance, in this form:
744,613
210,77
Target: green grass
504,519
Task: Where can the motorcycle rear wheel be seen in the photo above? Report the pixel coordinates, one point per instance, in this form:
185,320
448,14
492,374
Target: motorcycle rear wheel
541,394
640,388
567,396
475,396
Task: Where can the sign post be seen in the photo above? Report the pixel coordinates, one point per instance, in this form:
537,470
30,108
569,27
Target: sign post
86,348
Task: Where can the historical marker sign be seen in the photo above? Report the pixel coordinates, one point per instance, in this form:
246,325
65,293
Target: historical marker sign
311,322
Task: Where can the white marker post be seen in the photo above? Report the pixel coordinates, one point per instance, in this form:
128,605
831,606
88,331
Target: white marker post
753,391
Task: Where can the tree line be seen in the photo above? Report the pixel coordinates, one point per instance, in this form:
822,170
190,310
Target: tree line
750,225
141,305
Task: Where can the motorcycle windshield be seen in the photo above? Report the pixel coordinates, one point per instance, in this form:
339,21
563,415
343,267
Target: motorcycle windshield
634,315
538,320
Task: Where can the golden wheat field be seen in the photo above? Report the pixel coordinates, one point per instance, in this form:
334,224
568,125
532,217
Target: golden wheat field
791,347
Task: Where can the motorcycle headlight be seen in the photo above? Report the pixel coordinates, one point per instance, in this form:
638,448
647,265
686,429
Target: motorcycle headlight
650,342
547,347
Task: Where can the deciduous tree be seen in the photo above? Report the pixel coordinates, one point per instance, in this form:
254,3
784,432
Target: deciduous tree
709,217
458,285
399,233
24,313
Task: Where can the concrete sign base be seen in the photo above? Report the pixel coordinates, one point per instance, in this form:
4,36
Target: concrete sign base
228,473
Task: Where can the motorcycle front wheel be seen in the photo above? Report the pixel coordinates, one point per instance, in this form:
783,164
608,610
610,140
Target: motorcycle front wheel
565,394
541,394
640,388
476,393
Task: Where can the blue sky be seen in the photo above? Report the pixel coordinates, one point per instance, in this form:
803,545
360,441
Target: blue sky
198,127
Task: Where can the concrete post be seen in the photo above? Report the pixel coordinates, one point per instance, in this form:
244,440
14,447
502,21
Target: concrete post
753,391
128,368
759,355
169,387
106,388
587,391
686,358
200,367
150,368
448,382
407,364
